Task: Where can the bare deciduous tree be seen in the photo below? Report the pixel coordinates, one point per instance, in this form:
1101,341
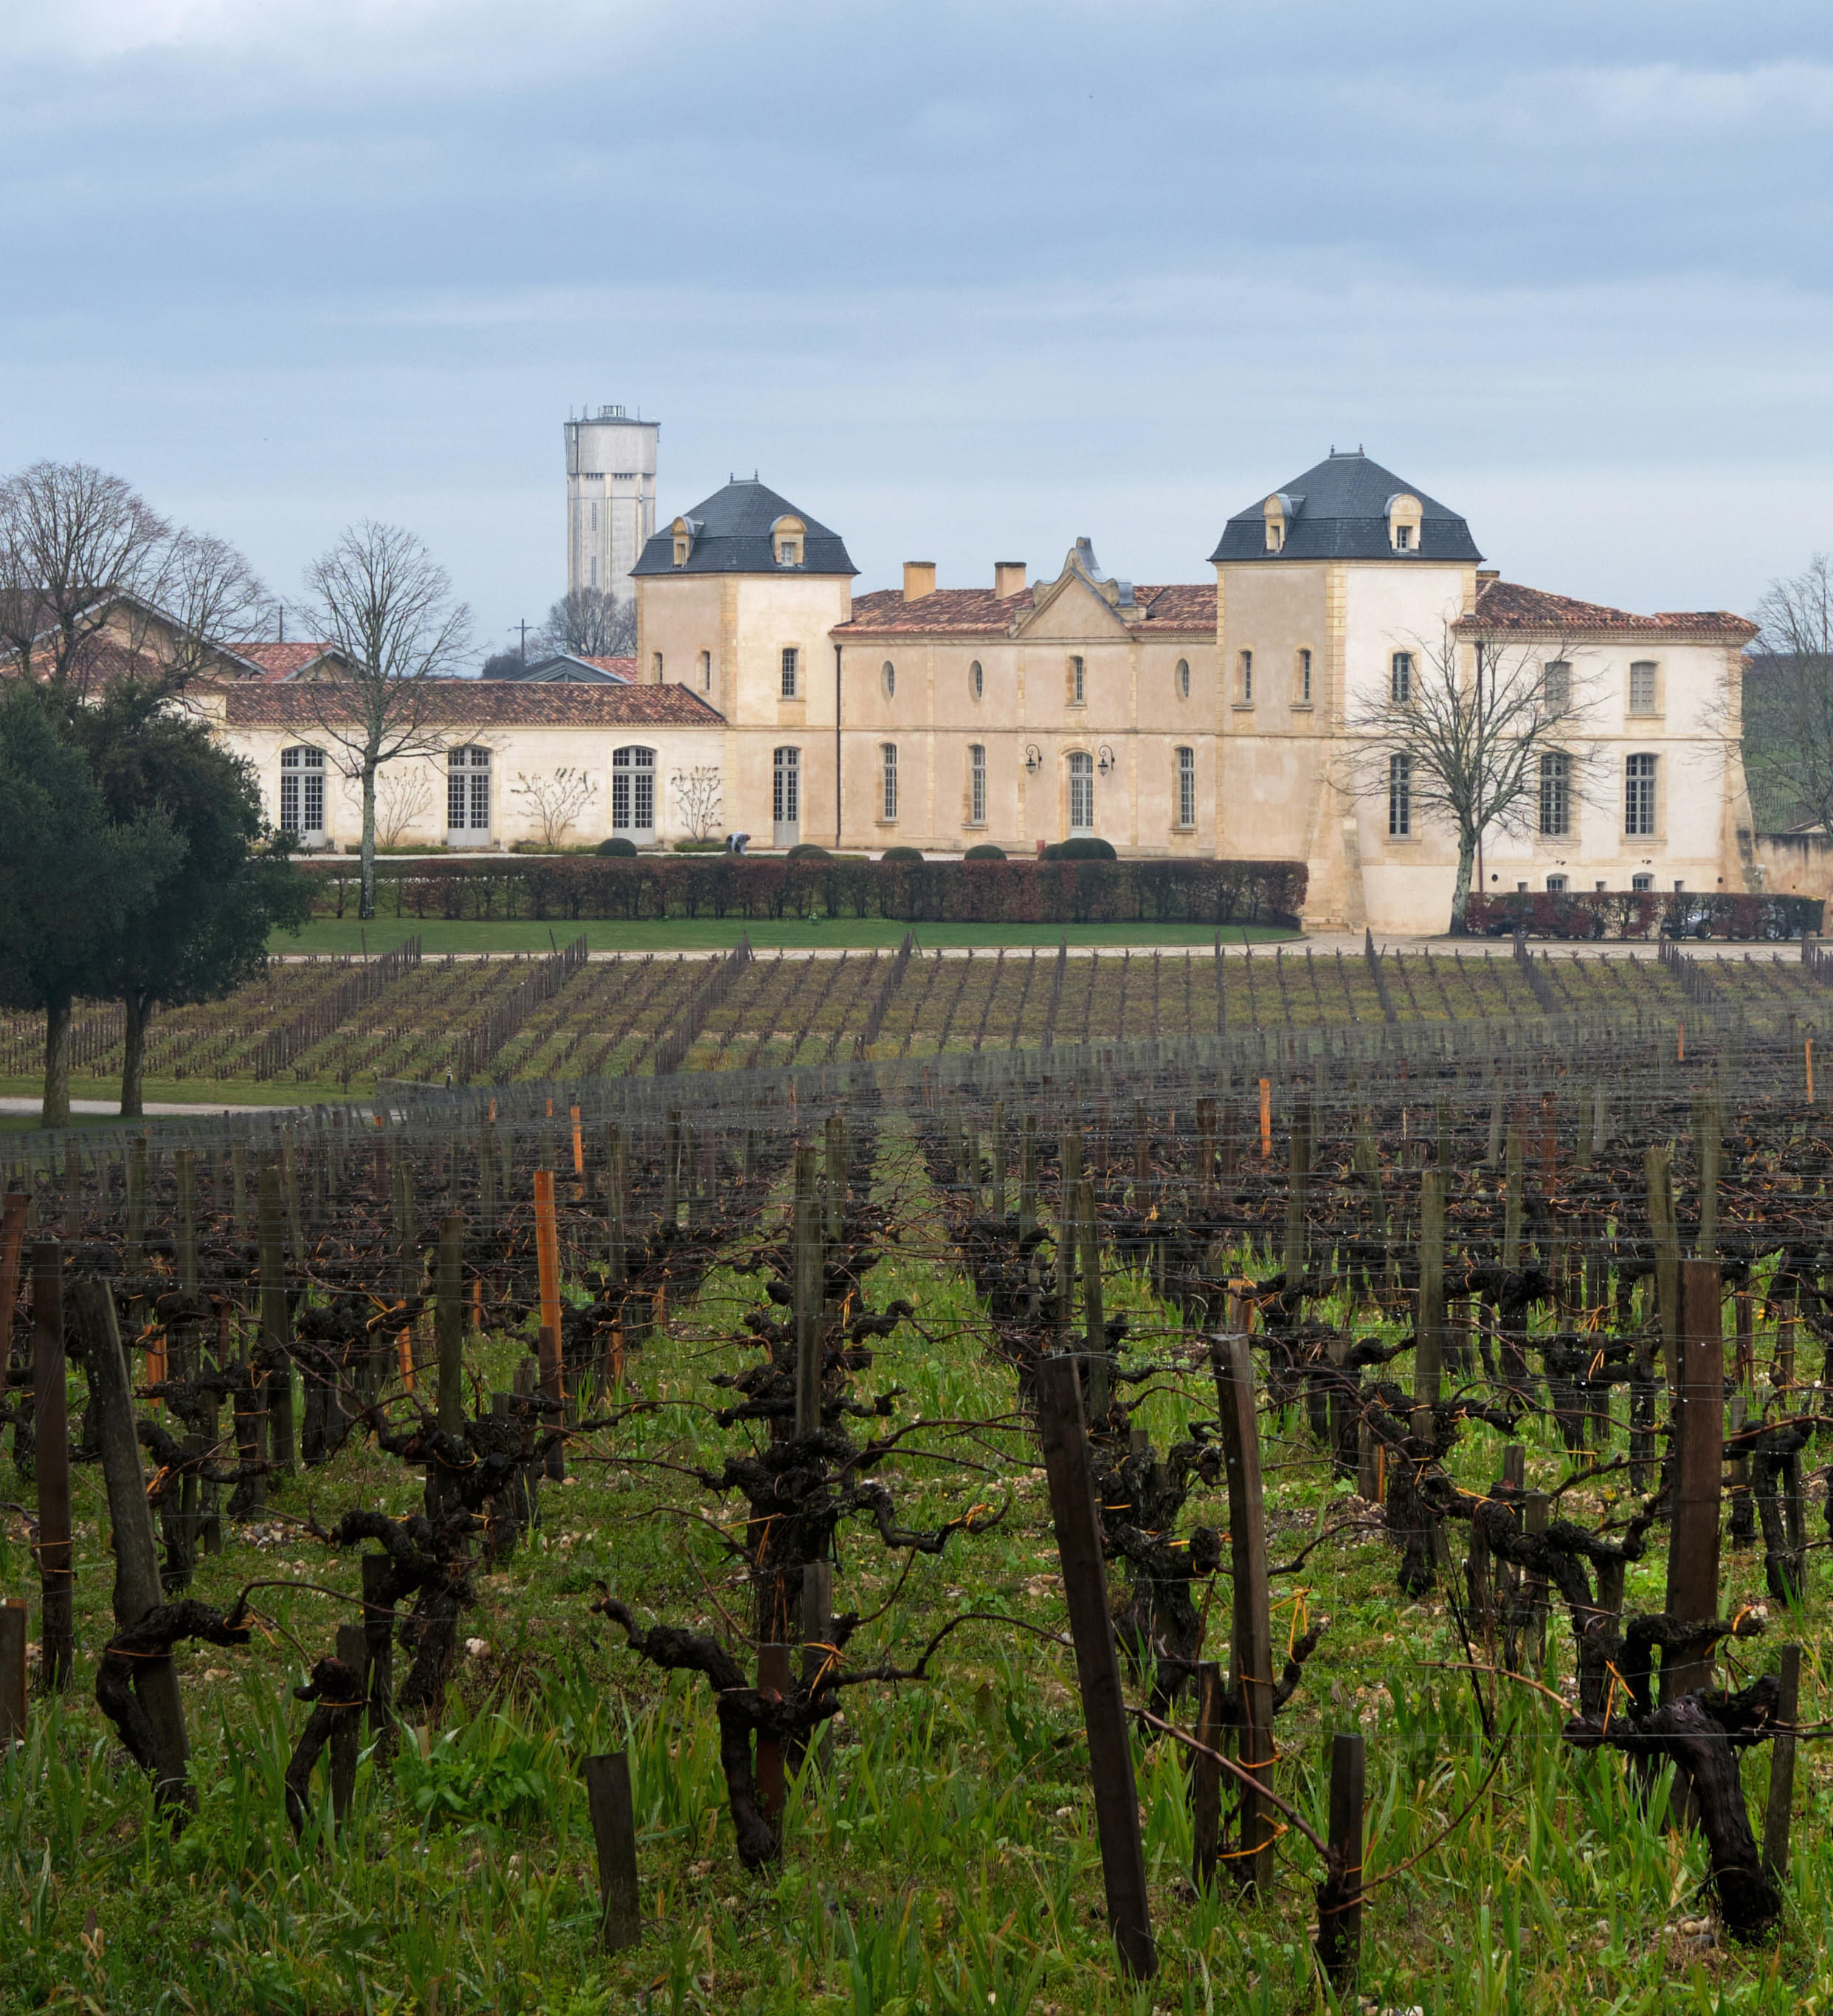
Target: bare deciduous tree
387,606
92,580
555,799
697,793
1788,713
591,623
1460,736
403,796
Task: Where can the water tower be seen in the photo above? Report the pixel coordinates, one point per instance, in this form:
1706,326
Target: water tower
611,497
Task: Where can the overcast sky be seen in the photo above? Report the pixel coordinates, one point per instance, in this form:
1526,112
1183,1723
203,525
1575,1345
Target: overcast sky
962,281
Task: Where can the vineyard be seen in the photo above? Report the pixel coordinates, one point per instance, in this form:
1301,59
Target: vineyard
321,1028
905,1485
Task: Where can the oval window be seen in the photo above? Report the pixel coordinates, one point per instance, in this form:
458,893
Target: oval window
1183,678
976,679
889,676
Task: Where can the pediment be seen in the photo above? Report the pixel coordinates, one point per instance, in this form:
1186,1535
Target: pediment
1069,609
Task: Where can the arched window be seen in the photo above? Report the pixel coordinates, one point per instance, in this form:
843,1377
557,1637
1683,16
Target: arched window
1181,678
887,753
1399,796
888,677
1187,787
975,784
976,679
1082,792
633,794
1556,794
302,792
1638,797
467,790
785,796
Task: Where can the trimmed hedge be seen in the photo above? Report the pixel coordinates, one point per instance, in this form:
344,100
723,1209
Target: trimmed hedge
1641,913
571,887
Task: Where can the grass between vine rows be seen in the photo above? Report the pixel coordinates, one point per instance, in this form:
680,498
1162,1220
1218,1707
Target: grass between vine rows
946,1861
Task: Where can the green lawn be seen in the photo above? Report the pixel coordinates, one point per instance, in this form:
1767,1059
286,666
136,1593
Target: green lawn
345,934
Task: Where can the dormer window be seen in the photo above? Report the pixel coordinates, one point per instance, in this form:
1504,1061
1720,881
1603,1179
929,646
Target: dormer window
681,550
683,532
786,536
1276,535
1404,515
1279,511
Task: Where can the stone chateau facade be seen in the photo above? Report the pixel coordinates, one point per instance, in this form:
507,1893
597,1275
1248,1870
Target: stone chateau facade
1224,716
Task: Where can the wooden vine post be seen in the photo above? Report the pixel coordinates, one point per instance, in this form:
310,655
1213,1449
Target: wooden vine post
51,1434
277,1378
1782,1767
1698,1445
1064,1441
13,1698
1339,1898
547,1256
613,1834
1252,1642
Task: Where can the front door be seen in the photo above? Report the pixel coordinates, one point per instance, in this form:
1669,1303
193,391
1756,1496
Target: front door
633,795
467,797
786,798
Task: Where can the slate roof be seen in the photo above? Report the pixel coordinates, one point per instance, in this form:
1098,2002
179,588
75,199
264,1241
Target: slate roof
1342,515
1508,605
563,667
977,612
469,703
734,536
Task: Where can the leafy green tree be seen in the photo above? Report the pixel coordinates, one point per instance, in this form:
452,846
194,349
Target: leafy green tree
71,878
204,929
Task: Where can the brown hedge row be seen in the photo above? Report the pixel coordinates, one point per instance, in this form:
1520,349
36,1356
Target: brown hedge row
573,887
1642,913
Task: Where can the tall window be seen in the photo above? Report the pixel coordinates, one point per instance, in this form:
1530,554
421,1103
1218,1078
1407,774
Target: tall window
1638,796
1077,682
791,656
887,674
1082,792
1642,687
1183,678
1399,796
706,671
1305,679
1555,789
655,666
889,757
975,784
467,790
1187,787
787,792
633,791
1247,665
302,791
1400,677
1555,686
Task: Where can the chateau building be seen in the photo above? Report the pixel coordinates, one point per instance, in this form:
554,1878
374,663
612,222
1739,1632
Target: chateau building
1237,715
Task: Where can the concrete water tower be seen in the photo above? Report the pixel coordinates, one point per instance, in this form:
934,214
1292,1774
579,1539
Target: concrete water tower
611,497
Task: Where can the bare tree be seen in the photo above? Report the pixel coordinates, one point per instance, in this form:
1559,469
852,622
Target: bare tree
697,793
387,606
590,623
403,795
1479,739
93,579
555,799
1788,712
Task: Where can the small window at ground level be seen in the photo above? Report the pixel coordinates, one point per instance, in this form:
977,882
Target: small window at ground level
1556,885
1643,882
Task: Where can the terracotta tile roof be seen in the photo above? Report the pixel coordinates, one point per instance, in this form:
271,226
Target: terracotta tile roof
977,612
1507,605
469,703
619,668
278,661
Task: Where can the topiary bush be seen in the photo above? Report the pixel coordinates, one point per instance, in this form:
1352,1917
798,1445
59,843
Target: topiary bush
1087,849
986,852
902,853
808,850
617,846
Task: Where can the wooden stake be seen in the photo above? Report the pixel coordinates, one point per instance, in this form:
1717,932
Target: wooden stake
352,1649
1065,1444
1206,1776
13,1698
1339,1925
1698,1414
1266,1119
773,1678
1782,1767
51,1440
613,1833
1233,1366
274,1328
806,1288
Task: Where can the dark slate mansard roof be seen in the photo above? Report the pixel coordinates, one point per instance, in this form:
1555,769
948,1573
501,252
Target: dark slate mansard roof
1342,514
732,535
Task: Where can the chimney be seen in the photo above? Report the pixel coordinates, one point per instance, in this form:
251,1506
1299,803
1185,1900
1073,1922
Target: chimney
1008,578
1486,575
918,579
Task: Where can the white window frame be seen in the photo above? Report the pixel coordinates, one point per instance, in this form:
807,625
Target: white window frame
887,760
1400,678
1304,677
1078,680
1400,796
633,792
1556,794
467,789
1651,704
976,783
302,790
790,665
1641,808
1244,662
1081,793
786,785
1187,786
